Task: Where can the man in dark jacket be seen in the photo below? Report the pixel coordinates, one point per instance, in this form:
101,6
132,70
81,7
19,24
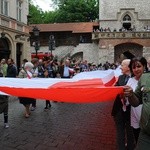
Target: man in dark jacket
121,112
11,69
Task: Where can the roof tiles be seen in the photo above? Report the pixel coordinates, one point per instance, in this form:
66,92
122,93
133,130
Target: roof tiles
82,27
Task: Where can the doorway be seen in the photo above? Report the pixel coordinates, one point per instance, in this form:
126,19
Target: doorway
127,50
4,48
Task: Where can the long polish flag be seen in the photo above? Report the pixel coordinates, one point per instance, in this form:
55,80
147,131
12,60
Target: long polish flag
85,87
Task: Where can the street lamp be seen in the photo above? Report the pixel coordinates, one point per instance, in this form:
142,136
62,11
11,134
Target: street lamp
51,43
36,33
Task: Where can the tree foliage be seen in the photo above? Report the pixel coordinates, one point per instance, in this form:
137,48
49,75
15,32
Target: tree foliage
67,11
35,14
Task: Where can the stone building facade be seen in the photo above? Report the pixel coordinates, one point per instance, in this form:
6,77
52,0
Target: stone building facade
14,31
116,13
124,29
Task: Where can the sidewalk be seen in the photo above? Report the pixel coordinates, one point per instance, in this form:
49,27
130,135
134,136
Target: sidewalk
63,127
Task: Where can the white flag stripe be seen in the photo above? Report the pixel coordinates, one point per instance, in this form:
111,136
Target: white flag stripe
105,76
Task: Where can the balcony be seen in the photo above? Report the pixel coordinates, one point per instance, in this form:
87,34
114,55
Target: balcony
121,35
7,23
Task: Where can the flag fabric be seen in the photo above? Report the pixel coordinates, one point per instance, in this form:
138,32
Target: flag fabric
85,87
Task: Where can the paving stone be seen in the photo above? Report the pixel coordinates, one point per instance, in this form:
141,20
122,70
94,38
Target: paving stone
64,127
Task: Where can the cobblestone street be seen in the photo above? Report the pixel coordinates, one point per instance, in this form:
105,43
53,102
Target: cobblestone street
63,127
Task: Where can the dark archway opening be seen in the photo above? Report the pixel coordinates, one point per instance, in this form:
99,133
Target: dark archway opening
127,50
77,56
128,55
4,48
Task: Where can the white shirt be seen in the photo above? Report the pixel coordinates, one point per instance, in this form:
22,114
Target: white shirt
135,111
66,71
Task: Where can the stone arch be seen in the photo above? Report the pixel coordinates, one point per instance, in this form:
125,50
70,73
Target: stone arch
6,45
77,56
127,18
127,50
127,13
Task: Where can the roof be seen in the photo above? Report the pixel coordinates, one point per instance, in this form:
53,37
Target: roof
82,27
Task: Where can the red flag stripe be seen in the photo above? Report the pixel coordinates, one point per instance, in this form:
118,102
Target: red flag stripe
71,95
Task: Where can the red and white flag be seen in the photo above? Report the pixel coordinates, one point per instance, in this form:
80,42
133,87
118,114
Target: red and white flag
85,87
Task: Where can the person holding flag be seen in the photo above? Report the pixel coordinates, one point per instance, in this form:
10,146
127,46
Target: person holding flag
26,72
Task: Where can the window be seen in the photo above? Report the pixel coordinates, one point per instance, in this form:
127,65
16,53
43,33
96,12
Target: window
4,7
126,18
19,9
127,22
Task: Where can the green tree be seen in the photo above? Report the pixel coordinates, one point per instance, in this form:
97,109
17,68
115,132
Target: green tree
77,11
35,14
50,17
66,11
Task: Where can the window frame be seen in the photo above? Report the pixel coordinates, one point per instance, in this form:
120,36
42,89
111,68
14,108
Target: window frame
4,7
19,10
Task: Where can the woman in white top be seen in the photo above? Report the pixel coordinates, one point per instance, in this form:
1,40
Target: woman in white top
137,66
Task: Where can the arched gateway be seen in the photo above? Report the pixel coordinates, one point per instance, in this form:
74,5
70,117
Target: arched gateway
127,50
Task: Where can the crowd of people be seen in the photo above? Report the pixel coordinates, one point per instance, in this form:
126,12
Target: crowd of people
48,67
122,29
128,119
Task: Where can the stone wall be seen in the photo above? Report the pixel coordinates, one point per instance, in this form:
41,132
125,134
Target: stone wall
107,48
89,50
97,53
112,12
108,8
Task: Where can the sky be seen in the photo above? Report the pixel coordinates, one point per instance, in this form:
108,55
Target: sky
45,5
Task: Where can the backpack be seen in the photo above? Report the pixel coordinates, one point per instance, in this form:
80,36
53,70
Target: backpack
145,116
